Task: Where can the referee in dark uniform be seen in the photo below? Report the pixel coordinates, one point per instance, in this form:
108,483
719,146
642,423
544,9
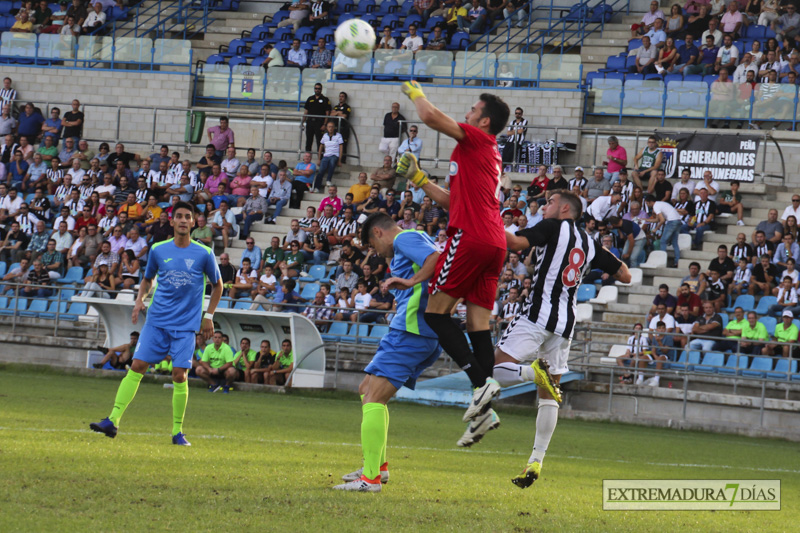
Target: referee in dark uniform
319,107
343,110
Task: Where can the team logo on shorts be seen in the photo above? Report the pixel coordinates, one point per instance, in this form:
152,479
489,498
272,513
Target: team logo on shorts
453,168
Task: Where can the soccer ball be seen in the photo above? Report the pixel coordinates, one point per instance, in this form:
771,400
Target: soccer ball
355,38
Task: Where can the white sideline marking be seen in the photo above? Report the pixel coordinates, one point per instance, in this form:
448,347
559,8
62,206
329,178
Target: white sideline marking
420,448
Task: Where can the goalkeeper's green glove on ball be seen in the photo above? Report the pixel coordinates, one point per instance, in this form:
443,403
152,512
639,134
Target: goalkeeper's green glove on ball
408,166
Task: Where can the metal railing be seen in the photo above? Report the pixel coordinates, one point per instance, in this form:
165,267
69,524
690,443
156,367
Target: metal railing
184,17
97,52
266,123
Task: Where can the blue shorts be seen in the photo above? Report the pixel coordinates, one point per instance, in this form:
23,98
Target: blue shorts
155,344
402,356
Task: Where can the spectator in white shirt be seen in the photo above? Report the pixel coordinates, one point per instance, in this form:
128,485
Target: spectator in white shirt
413,42
230,165
95,19
413,144
792,210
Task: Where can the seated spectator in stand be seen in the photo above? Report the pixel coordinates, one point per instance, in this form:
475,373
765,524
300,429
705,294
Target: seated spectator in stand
761,246
732,332
661,350
318,312
429,215
657,35
23,24
216,365
245,282
660,187
474,21
788,24
785,331
646,56
792,210
673,26
716,292
786,250
741,279
332,199
298,14
638,343
648,20
706,328
322,57
385,176
684,322
244,361
293,261
661,315
707,58
732,21
722,264
704,212
752,332
763,277
95,19
665,298
723,91
224,224
382,300
787,299
38,283
687,297
347,279
595,188
687,56
792,272
361,189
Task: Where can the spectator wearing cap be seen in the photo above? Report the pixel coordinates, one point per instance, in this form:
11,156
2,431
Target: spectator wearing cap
786,332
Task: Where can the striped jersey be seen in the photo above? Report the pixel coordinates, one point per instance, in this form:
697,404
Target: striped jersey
411,249
564,253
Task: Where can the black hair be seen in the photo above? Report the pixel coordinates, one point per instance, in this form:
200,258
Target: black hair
375,220
497,111
184,205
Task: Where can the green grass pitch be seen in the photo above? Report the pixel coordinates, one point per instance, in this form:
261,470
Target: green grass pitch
267,462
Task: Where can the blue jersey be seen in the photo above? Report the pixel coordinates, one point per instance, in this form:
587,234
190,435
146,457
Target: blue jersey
411,249
180,284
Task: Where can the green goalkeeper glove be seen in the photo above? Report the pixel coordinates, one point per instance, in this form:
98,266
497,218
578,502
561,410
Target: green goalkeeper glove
408,166
413,90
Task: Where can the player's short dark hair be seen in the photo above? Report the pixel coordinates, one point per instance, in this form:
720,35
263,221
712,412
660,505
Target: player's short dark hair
663,286
650,198
660,324
497,110
722,247
694,263
134,333
375,220
575,205
184,205
613,221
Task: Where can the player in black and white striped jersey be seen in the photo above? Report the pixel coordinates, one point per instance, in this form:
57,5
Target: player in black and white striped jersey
564,253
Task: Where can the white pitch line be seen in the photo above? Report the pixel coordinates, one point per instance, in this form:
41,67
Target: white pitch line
423,448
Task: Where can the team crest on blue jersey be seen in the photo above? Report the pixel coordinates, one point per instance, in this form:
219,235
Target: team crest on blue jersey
453,168
175,278
189,262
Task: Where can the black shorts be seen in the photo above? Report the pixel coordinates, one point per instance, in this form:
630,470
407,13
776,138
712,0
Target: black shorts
723,209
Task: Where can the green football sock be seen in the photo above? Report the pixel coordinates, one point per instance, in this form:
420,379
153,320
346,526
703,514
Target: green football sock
127,390
180,396
386,439
373,437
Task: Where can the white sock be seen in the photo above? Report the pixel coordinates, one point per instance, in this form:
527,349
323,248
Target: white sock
508,374
545,425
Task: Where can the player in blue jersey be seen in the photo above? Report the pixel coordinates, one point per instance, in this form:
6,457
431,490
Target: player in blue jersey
180,267
410,347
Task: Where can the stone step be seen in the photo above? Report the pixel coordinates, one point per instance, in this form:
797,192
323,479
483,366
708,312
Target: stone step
639,299
621,318
625,308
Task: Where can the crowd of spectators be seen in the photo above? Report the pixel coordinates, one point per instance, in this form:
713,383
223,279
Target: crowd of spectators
708,39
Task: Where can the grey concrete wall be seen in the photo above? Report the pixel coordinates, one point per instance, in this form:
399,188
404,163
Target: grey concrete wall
103,92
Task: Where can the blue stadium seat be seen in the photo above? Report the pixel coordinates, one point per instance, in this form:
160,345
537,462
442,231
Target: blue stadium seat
376,334
769,322
305,34
758,367
224,303
601,13
693,77
783,369
745,301
653,77
2,269
35,307
591,76
364,7
257,49
234,48
633,76
586,293
345,17
258,33
687,360
709,79
386,7
315,273
614,63
725,318
764,303
615,76
754,31
630,64
576,12
215,59
433,22
243,304
283,34
355,333
325,33
115,13
711,363
238,60
335,332
672,78
74,275
75,310
633,44
310,291
411,19
458,41
54,306
393,21
279,16
734,365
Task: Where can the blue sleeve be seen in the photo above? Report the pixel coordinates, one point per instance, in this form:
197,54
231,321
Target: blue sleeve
414,245
151,269
211,269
